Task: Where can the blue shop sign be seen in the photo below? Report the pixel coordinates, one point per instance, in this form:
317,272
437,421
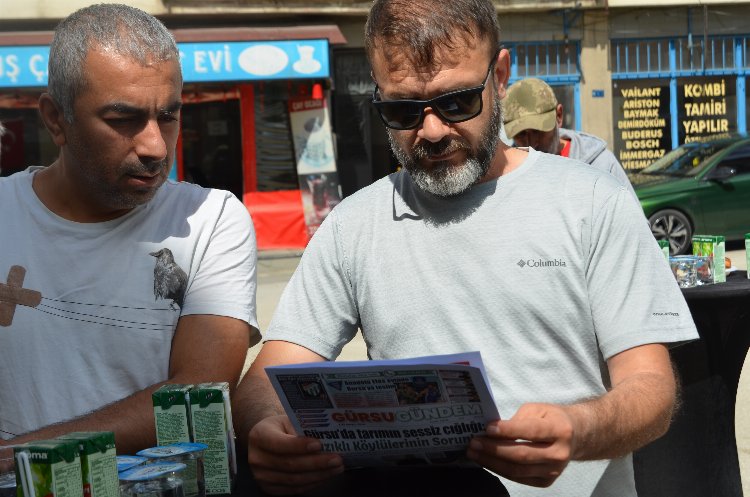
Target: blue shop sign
256,60
23,66
201,62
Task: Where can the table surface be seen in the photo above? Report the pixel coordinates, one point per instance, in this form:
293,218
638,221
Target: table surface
737,284
413,481
698,455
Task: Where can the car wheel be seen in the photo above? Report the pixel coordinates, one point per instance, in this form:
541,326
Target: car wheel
674,226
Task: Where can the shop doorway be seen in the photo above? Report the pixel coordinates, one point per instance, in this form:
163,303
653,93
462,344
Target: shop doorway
26,142
212,145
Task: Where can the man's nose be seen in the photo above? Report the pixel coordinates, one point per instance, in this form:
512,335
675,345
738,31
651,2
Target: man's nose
150,141
527,138
433,128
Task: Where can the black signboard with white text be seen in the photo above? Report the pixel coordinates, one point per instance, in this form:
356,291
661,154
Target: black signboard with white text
706,106
642,121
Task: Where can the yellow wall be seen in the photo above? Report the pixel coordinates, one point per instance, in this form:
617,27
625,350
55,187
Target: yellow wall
596,113
57,9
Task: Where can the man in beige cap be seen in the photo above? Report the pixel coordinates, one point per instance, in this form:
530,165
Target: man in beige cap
533,118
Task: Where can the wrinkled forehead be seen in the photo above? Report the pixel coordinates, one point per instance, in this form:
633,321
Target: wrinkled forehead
403,62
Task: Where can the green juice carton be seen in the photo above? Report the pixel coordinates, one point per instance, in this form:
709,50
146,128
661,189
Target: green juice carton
664,246
713,246
98,462
48,468
211,416
698,241
172,414
747,253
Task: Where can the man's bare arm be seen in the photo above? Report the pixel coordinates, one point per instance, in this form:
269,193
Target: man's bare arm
282,462
536,444
255,398
204,348
636,411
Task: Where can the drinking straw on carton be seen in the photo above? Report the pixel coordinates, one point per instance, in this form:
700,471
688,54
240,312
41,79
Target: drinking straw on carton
24,470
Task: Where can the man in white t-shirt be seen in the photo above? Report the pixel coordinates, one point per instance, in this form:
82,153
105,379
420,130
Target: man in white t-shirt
114,280
549,271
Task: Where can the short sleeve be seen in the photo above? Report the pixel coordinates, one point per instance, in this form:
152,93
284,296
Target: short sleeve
634,297
225,280
317,310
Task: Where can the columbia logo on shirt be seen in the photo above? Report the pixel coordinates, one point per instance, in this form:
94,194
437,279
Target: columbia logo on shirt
541,263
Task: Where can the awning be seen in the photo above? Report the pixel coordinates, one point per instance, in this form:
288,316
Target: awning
207,54
330,32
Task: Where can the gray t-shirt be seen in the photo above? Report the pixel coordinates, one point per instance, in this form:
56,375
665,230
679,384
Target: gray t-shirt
111,295
548,271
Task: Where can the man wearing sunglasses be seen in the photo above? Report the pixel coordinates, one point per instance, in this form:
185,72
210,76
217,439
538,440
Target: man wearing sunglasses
549,271
533,118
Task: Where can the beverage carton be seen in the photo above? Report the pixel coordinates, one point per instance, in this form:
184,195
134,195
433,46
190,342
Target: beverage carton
698,244
98,462
712,246
49,468
211,416
664,245
172,414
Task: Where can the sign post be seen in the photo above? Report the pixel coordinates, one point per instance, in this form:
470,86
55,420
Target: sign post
316,163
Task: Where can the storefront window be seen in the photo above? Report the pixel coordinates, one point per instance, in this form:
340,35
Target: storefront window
212,143
364,155
276,168
26,141
566,96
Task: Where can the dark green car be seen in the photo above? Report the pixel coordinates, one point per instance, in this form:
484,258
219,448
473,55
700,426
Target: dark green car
700,187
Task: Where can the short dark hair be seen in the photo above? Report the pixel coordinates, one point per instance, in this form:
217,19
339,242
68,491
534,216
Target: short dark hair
419,28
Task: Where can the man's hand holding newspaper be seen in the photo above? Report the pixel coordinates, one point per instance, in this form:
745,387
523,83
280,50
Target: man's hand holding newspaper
384,413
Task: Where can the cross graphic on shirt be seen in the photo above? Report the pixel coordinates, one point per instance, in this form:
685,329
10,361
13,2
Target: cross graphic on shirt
13,293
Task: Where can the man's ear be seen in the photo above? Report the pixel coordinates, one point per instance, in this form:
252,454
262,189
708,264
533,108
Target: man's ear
502,72
559,115
53,118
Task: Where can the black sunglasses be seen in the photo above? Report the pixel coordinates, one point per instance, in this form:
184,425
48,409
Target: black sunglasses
453,107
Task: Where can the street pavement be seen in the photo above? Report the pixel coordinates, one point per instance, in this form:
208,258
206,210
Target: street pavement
276,267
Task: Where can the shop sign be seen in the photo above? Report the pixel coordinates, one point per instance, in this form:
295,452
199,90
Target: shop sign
642,121
262,60
316,162
23,66
706,106
230,61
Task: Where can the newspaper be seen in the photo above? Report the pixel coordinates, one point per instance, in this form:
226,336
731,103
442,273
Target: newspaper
423,410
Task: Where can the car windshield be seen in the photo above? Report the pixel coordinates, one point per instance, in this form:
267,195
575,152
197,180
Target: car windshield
685,160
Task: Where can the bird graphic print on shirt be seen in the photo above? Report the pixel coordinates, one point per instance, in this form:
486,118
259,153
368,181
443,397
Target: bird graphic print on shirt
111,311
170,281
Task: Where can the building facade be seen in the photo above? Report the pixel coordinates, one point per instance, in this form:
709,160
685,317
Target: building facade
644,77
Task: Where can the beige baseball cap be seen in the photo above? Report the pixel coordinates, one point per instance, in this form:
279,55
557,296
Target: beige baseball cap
529,104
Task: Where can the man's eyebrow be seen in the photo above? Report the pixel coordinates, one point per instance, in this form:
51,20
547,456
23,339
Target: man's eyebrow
171,108
121,108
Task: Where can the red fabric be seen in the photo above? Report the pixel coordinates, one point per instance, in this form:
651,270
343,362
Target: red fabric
565,152
249,157
278,219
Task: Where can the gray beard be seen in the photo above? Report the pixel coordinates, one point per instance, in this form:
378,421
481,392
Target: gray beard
450,180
